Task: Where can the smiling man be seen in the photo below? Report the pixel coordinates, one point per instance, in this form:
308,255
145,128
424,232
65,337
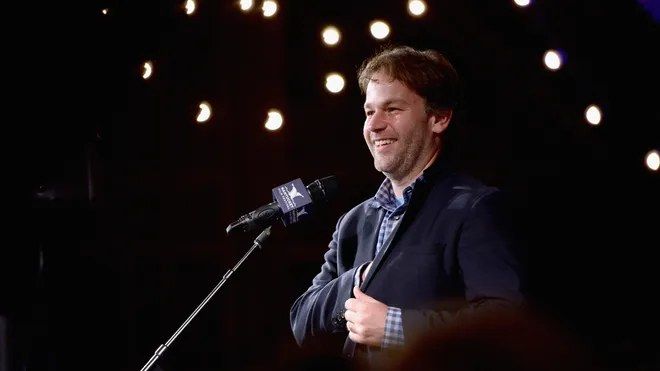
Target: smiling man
399,261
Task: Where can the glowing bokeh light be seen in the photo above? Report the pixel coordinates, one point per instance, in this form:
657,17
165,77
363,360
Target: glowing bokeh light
331,35
593,114
269,8
552,60
334,82
190,7
274,121
204,112
653,160
379,29
522,3
246,5
416,7
147,70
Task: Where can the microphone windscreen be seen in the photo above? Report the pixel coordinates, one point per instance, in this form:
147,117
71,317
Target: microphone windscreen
323,189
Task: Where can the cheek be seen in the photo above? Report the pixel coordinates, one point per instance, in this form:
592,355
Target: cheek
365,133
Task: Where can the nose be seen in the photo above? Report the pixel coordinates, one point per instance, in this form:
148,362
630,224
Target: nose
376,122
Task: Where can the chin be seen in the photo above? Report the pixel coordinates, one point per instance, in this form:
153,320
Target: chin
385,169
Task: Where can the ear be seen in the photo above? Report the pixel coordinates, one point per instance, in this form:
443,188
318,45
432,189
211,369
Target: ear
440,120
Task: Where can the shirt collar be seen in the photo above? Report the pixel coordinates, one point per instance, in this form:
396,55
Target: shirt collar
385,196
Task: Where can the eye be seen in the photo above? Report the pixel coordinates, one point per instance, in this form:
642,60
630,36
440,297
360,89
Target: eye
393,109
369,113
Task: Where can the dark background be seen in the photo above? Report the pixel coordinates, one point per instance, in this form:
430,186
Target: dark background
124,198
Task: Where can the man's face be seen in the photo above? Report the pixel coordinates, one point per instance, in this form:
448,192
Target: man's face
397,129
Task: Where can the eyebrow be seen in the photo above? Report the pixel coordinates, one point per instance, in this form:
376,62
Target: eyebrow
388,102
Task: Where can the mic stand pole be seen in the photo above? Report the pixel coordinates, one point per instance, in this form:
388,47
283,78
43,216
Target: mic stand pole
258,242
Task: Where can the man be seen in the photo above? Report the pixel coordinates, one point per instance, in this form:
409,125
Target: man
427,237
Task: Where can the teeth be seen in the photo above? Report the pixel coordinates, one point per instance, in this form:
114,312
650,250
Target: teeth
382,142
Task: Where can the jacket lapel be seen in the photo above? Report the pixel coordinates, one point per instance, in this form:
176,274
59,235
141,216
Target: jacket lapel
368,231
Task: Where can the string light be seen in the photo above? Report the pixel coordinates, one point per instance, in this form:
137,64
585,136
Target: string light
522,3
147,70
269,8
552,60
416,7
104,11
379,29
274,120
190,7
246,5
334,82
653,160
593,114
331,35
204,112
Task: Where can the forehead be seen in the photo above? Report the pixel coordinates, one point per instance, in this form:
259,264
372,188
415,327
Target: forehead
383,88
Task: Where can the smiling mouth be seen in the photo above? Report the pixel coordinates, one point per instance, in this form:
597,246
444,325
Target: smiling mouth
383,142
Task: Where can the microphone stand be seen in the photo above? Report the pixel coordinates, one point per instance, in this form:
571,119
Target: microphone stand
258,242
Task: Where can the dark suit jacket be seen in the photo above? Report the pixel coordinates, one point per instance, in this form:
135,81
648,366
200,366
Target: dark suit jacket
454,241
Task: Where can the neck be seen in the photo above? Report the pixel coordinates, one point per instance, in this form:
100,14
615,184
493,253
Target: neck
398,185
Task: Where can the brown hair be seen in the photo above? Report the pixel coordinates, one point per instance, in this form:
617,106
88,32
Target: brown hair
426,72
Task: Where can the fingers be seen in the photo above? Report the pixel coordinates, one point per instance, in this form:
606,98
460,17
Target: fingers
351,316
357,338
354,323
358,303
356,330
358,334
351,304
359,295
365,318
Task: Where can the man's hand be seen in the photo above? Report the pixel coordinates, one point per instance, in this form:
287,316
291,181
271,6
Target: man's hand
365,319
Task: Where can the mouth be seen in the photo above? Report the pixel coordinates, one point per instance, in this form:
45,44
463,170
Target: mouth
380,143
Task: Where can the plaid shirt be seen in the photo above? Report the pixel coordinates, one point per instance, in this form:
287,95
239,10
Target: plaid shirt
394,211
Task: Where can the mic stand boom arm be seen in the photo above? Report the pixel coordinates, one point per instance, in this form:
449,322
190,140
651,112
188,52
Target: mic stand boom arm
258,242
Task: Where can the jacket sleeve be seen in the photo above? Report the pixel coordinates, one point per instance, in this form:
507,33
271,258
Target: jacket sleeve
319,311
487,264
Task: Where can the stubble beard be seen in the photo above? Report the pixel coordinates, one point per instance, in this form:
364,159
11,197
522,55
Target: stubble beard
399,165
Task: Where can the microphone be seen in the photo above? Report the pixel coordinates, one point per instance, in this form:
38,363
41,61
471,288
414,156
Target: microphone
293,202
